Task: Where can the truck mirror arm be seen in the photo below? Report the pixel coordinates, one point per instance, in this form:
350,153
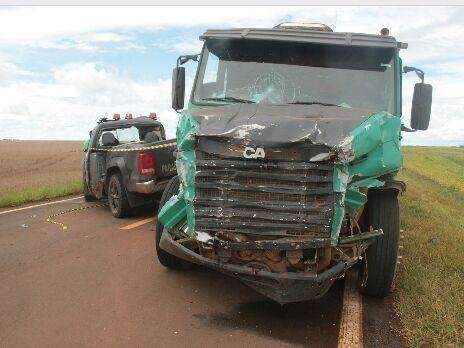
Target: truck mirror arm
407,129
184,59
419,72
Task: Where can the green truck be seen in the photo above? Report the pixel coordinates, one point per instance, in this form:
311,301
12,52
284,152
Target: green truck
286,159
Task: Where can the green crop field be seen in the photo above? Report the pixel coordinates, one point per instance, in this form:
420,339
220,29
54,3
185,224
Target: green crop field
430,284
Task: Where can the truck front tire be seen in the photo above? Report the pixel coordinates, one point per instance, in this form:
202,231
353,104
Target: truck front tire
379,268
166,259
117,197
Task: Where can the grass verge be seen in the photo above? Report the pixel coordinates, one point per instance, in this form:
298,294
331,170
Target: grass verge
34,194
430,285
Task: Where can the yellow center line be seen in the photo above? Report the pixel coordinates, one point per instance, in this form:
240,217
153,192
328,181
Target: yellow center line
138,223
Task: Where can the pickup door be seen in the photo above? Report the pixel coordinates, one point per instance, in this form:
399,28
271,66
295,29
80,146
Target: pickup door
97,166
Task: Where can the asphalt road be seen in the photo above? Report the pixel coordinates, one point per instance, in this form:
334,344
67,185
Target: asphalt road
92,280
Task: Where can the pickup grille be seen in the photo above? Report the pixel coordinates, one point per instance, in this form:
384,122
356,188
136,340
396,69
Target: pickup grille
263,198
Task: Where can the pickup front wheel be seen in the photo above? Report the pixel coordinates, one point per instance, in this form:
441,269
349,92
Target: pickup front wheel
117,197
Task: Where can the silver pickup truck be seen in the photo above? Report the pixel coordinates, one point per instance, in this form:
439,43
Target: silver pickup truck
127,161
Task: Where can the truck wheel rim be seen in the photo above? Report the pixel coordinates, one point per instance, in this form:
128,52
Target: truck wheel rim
114,196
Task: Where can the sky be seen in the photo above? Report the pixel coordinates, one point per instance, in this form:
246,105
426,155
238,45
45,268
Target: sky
63,68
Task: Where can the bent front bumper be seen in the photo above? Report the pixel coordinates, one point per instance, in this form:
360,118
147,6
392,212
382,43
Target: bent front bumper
281,287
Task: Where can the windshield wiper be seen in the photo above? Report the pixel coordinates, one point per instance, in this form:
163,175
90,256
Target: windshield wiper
298,102
230,99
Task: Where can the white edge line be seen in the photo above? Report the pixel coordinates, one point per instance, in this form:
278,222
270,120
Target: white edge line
39,205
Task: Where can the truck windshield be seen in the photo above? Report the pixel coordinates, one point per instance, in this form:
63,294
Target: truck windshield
271,72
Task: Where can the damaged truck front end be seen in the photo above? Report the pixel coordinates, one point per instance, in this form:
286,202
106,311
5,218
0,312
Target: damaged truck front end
284,141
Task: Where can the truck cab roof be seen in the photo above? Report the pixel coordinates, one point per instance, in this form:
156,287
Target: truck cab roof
297,34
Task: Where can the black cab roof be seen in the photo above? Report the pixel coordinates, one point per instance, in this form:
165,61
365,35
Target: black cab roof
305,36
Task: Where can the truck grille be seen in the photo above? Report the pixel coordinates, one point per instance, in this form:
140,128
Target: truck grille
264,198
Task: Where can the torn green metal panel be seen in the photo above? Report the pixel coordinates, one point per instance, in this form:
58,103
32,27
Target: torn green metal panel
341,176
173,211
384,159
378,138
371,150
186,131
354,200
340,182
368,182
337,219
185,163
372,133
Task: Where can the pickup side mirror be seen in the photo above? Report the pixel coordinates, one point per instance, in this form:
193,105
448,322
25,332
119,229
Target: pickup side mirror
421,106
178,87
85,146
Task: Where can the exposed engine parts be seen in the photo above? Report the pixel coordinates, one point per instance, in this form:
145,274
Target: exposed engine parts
314,260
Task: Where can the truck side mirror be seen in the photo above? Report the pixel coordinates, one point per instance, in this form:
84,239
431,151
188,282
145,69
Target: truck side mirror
178,87
421,106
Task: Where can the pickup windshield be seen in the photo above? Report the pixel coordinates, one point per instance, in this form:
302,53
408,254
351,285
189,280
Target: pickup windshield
244,71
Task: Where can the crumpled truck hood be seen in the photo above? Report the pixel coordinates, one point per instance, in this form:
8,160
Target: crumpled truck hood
273,125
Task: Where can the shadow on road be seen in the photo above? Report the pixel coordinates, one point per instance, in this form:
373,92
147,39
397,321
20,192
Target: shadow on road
314,323
144,211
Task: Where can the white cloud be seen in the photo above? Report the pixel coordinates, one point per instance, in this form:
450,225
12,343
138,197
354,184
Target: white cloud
132,46
105,37
66,45
181,44
80,93
50,23
10,71
96,23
